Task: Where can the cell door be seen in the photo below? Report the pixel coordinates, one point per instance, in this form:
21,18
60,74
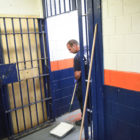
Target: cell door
25,74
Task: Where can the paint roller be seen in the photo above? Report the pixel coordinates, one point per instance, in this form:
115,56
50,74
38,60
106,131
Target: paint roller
88,83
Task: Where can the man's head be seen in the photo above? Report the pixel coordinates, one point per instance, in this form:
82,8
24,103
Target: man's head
73,46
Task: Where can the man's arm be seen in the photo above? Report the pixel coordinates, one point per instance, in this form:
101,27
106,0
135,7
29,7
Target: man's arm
77,75
77,66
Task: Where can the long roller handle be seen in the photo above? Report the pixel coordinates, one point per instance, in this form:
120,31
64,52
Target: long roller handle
89,77
73,96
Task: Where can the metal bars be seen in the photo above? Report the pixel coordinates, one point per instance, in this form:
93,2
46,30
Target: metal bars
44,63
85,23
18,71
24,43
57,7
38,66
81,38
7,46
28,99
92,16
87,20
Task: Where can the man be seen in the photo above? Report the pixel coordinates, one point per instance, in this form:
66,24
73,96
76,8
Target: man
73,47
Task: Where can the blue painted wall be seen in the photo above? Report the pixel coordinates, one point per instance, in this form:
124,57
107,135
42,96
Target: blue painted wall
122,114
63,85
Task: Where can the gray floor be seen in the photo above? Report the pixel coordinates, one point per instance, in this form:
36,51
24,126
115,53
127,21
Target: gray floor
45,135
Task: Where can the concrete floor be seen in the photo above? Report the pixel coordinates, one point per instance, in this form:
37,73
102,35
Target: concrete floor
45,135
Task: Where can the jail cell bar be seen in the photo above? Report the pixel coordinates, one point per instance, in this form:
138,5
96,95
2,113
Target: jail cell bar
29,98
23,42
57,7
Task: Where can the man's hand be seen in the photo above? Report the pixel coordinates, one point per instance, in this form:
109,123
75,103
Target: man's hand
75,81
77,75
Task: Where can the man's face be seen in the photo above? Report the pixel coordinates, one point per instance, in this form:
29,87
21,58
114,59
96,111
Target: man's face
72,49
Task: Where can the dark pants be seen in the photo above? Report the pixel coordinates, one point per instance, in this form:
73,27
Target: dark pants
80,99
79,95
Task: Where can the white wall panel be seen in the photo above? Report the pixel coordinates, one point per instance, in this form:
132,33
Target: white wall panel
61,29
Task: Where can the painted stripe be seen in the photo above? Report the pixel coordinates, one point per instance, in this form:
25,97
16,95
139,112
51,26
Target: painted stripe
126,80
61,64
122,79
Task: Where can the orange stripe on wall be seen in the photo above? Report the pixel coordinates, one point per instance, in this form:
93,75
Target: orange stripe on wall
122,79
61,64
127,80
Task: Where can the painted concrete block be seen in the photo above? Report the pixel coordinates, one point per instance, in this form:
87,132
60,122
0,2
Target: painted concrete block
106,44
109,26
132,43
124,62
21,8
131,6
104,8
136,61
136,23
117,44
110,61
123,25
115,7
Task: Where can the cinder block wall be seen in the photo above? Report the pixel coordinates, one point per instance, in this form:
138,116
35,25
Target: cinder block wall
121,34
22,8
121,43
